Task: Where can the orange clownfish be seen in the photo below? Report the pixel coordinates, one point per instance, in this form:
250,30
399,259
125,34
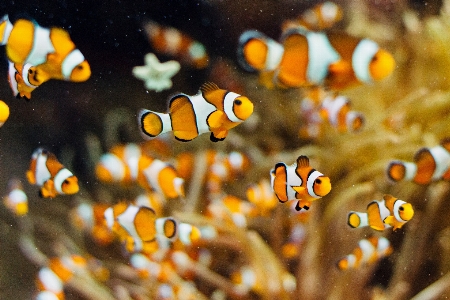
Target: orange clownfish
22,79
299,182
307,58
430,164
4,112
16,200
50,50
233,209
172,42
320,17
128,164
90,218
138,228
212,110
336,110
48,173
49,285
262,196
369,251
389,212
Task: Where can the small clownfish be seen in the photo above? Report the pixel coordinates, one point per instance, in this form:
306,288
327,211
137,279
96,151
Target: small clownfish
4,112
369,251
306,58
172,42
212,110
48,173
22,79
262,196
299,182
16,200
90,218
138,228
51,51
49,285
334,109
389,212
320,17
233,209
128,164
430,164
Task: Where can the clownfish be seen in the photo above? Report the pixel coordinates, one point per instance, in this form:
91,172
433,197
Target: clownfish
90,218
430,164
389,212
48,173
50,50
292,248
336,110
138,227
306,58
369,251
262,196
16,200
320,17
22,79
299,182
172,42
4,112
128,164
58,272
231,208
212,110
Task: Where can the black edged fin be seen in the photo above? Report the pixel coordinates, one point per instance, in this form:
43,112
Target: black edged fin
209,87
214,139
302,161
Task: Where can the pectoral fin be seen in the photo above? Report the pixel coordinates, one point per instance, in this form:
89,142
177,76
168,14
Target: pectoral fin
215,119
389,220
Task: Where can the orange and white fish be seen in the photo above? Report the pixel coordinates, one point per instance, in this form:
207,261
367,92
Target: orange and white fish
307,58
233,209
172,42
430,164
334,109
22,79
369,251
128,164
16,200
90,218
299,182
138,227
320,17
50,50
212,110
292,248
49,285
389,212
48,173
262,196
4,112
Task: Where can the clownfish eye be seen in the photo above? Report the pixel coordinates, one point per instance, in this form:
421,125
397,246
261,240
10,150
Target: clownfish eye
80,67
401,208
237,102
66,181
30,71
318,181
374,58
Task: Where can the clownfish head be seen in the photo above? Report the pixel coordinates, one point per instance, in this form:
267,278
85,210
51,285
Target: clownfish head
381,65
81,72
322,186
242,107
70,185
406,211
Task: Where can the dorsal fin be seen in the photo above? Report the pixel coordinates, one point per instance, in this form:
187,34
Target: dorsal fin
302,161
388,197
209,87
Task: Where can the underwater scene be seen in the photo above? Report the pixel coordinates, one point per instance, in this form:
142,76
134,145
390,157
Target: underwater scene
222,149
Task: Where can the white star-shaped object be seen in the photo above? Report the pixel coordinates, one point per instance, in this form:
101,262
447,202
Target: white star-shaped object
156,75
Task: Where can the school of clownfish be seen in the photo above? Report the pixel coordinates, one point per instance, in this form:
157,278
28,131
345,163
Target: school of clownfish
307,56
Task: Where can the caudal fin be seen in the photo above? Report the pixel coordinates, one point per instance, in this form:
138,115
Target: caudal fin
357,219
398,170
257,52
152,123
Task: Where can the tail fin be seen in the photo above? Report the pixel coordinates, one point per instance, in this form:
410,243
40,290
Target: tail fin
398,170
357,219
257,52
153,124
